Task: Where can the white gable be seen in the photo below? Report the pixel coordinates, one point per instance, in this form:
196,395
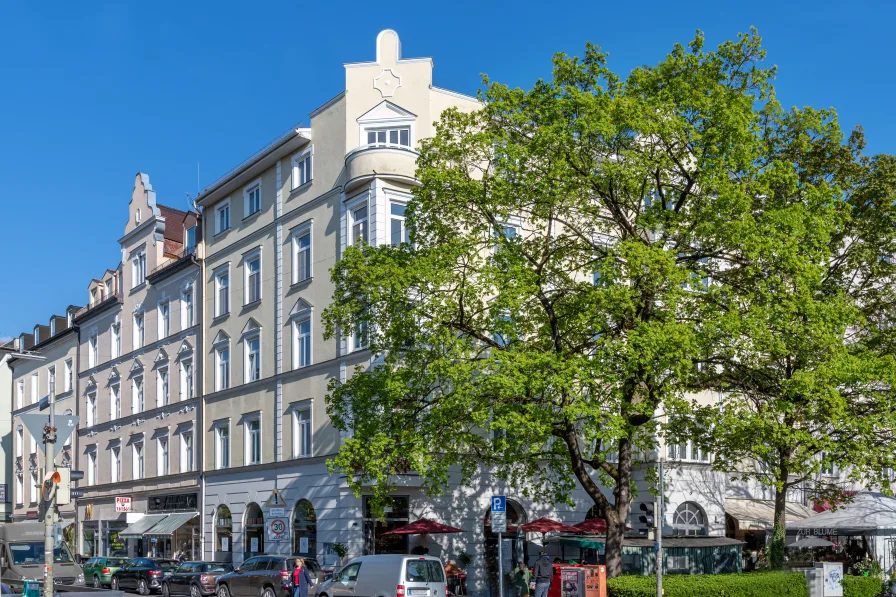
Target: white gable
385,112
301,307
250,327
220,338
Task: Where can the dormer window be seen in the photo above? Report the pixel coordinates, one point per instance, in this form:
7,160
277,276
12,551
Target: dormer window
36,335
53,327
400,136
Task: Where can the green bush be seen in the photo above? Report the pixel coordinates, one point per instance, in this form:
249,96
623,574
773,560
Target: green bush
861,586
754,584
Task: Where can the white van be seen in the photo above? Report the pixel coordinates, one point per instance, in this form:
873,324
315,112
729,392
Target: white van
387,576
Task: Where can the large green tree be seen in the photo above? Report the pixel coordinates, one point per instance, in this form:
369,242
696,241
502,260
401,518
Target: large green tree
554,295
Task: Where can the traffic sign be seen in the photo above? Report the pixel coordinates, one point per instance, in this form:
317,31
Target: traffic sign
65,425
499,514
499,503
277,530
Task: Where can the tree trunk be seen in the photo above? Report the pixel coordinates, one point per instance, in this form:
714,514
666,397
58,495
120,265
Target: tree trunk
779,530
613,548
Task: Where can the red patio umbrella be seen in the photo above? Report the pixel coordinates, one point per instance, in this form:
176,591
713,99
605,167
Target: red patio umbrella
546,525
597,526
424,526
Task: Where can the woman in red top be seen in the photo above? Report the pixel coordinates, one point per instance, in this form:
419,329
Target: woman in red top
301,580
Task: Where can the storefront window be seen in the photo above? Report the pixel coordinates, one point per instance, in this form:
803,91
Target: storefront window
305,529
223,535
396,514
254,531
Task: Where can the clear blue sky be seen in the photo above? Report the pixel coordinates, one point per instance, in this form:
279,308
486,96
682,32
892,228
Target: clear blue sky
93,92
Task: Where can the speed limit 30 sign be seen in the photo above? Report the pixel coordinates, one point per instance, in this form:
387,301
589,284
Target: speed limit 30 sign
277,529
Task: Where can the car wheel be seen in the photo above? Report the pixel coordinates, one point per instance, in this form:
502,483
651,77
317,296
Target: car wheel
268,592
142,589
166,592
222,591
96,582
194,591
114,583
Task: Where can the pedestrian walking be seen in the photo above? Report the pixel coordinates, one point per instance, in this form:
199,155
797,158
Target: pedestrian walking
301,580
544,573
521,578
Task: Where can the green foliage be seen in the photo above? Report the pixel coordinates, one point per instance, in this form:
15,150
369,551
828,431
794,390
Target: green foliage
340,550
754,584
862,586
465,559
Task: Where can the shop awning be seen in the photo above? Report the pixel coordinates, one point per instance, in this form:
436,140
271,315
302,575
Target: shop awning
760,514
139,528
170,524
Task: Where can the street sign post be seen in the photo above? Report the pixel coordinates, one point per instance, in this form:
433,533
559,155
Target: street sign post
499,525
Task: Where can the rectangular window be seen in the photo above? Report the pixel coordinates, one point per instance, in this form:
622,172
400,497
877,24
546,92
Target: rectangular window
360,336
222,217
398,228
51,380
116,340
222,369
253,359
301,169
32,443
137,395
138,331
91,351
301,257
162,456
35,390
222,446
222,293
253,279
115,402
186,309
20,441
115,464
302,432
253,199
20,393
186,452
301,343
33,487
20,489
186,379
91,467
164,324
138,460
91,409
162,387
138,269
67,380
253,441
390,136
359,226
190,241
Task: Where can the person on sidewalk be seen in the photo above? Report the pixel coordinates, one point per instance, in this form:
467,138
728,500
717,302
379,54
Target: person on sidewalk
521,577
543,573
301,580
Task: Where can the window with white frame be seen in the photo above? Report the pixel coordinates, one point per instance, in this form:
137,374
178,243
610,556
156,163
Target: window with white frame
32,444
162,455
162,386
67,380
360,335
686,450
186,452
828,469
252,345
253,441
398,228
137,403
222,445
252,198
91,409
138,268
395,135
20,441
359,225
92,351
222,292
138,331
222,368
301,431
20,393
115,463
301,169
116,339
34,493
20,488
35,389
252,267
115,401
301,350
91,465
301,255
164,323
186,379
186,308
51,380
137,460
222,217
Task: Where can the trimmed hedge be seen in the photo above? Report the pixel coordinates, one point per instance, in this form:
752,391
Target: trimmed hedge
753,584
861,586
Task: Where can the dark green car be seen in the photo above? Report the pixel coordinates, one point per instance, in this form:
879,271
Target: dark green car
98,571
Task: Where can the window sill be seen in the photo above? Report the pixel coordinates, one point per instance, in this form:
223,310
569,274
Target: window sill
301,187
220,232
216,318
301,282
139,286
254,303
252,215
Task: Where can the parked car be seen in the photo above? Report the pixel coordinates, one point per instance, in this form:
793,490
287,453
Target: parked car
261,576
314,569
386,576
143,574
195,579
98,571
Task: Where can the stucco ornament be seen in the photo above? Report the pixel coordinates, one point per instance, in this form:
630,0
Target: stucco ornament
387,82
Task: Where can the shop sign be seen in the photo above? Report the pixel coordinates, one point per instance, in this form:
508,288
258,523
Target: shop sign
167,503
3,493
277,529
122,504
31,515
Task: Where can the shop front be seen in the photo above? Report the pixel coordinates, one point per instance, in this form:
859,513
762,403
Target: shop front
169,527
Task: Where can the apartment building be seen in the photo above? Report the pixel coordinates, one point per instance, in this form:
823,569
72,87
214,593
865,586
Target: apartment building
138,352
45,360
6,448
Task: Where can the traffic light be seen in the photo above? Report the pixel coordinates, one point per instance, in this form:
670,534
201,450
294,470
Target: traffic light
649,516
64,493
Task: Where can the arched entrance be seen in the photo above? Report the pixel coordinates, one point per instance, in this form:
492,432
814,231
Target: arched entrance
514,546
253,531
223,535
304,530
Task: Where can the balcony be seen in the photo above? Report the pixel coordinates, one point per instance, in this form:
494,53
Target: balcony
394,162
174,264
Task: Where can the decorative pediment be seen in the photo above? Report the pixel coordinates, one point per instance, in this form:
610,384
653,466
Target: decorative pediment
113,374
90,381
301,308
251,327
384,112
161,357
138,308
221,338
184,350
136,367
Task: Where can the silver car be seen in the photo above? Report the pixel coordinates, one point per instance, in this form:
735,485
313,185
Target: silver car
387,576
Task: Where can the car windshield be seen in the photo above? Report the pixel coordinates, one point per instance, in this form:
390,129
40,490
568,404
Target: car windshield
168,564
218,568
32,553
424,571
115,562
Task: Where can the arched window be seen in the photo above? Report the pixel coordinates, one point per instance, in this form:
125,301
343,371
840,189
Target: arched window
223,534
595,512
304,529
254,531
689,519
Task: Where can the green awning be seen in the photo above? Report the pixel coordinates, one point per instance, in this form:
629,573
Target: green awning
139,528
582,542
171,523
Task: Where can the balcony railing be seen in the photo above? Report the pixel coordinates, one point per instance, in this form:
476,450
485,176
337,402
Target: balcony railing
185,253
106,301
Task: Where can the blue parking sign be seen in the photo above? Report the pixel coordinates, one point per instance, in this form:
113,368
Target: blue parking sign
499,503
